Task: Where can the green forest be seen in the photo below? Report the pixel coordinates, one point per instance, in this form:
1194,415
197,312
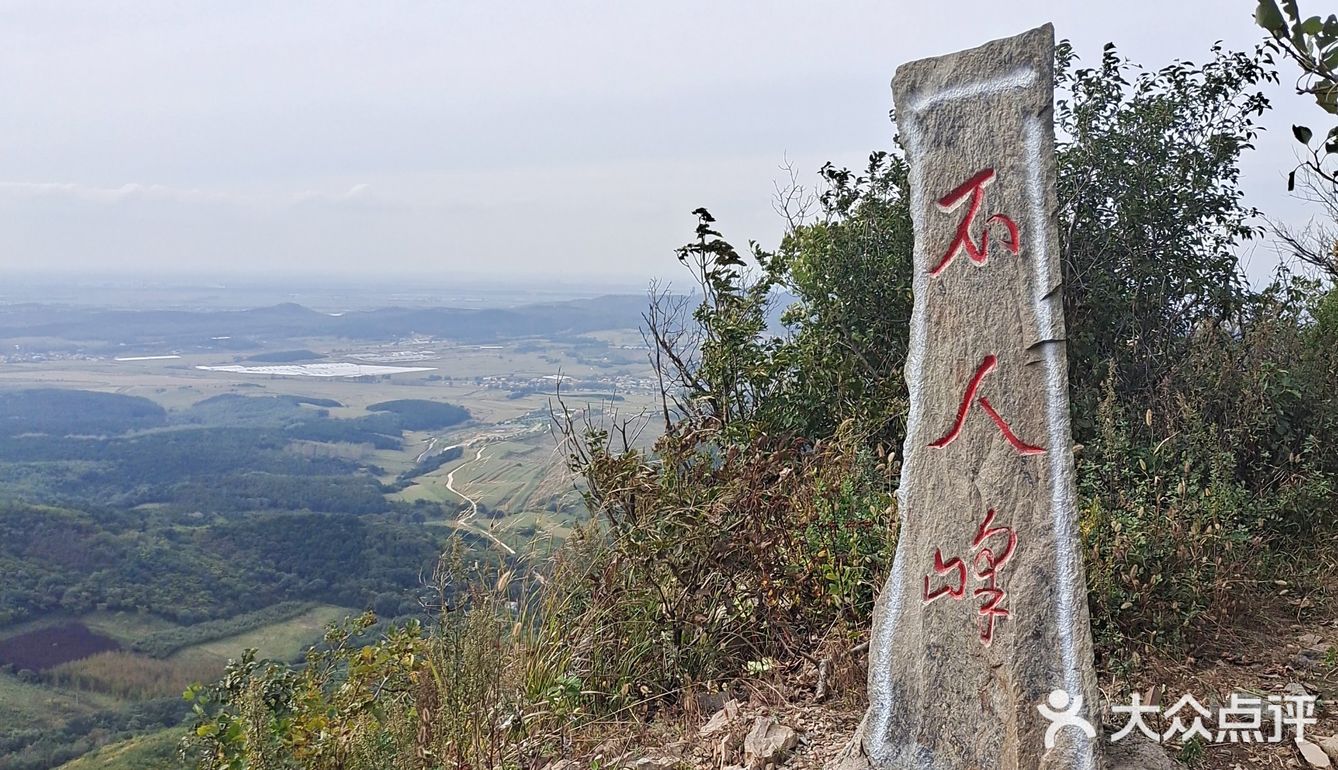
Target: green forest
204,522
201,514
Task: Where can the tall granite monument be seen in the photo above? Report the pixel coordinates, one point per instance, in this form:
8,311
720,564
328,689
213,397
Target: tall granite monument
984,617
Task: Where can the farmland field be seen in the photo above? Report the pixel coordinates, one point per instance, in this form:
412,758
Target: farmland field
112,686
45,648
136,675
169,505
153,751
126,627
32,705
285,640
132,676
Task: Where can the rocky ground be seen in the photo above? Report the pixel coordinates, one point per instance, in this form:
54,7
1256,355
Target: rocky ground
779,722
741,734
1297,658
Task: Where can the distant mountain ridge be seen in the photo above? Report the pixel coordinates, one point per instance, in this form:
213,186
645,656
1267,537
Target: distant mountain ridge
181,328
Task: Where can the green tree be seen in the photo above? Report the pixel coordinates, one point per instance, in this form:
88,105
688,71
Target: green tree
1312,44
1151,212
849,273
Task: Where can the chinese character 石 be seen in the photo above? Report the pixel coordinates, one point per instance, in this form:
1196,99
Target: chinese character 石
973,190
985,368
987,562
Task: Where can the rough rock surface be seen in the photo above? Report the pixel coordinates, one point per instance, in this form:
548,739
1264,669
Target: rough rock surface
1330,747
1140,755
656,763
767,742
1313,754
985,612
720,720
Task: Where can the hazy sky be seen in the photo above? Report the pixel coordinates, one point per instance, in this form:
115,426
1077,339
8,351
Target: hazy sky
501,138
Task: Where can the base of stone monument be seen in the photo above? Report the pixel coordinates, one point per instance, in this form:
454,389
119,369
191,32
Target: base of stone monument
1130,755
851,757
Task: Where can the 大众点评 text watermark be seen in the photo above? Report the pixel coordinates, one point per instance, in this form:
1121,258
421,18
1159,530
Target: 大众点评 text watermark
1243,719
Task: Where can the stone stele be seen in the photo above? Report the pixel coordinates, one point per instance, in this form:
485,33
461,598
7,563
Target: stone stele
985,614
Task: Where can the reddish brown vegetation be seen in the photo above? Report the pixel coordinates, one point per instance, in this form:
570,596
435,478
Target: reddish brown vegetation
47,647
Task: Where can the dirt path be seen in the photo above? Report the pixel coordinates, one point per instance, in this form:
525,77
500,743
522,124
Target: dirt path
466,522
425,452
450,484
463,526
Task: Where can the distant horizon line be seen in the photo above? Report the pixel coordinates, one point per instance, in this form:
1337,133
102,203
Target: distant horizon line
381,278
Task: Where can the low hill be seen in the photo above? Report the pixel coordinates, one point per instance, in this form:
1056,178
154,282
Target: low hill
418,414
154,750
60,412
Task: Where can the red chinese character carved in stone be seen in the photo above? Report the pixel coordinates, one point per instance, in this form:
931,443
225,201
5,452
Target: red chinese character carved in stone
973,189
987,562
944,568
985,368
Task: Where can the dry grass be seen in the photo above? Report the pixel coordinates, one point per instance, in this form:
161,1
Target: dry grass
132,676
1257,653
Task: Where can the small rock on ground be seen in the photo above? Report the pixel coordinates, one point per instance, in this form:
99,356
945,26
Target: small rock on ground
767,742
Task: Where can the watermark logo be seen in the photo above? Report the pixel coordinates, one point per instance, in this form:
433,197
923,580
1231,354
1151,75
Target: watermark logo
1240,720
1063,712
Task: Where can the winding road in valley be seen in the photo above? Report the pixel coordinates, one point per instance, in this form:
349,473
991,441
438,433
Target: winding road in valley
428,451
466,522
450,484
